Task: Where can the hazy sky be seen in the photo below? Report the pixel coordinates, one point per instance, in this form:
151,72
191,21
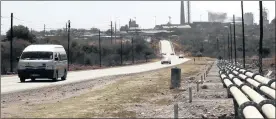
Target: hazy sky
87,14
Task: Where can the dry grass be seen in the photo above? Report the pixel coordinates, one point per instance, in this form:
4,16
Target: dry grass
113,99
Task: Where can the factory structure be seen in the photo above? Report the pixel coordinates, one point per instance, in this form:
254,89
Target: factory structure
184,21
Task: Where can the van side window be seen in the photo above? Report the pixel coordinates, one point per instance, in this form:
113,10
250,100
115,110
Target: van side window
63,57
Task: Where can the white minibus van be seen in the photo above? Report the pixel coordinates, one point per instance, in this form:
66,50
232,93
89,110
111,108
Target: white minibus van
43,61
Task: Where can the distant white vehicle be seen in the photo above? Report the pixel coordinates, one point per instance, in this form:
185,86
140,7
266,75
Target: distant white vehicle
166,60
181,56
42,61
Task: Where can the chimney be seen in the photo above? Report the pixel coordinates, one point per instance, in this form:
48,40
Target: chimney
189,12
182,13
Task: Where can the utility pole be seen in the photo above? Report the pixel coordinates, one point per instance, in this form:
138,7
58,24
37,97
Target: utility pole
183,12
275,47
132,50
121,51
261,38
154,21
111,31
170,27
44,31
218,44
68,44
224,48
231,44
115,33
235,52
66,28
243,38
188,2
100,51
11,38
229,57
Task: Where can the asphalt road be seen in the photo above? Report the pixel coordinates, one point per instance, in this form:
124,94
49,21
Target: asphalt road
13,84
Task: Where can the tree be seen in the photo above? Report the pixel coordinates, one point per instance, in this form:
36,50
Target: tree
199,54
109,31
201,50
21,32
266,52
273,21
124,28
94,30
147,53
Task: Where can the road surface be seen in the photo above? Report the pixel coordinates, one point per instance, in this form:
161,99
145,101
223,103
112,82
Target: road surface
13,84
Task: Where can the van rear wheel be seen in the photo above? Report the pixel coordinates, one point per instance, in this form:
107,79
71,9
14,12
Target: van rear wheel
22,79
32,79
64,75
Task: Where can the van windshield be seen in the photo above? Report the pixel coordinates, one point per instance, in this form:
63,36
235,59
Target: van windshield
37,55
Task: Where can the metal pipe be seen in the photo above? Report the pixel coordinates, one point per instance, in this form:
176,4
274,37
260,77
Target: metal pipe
273,85
264,89
258,78
269,111
227,82
262,79
252,112
255,96
268,91
248,111
252,82
242,70
249,74
237,81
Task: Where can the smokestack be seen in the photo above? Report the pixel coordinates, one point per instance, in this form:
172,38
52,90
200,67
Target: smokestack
182,13
189,13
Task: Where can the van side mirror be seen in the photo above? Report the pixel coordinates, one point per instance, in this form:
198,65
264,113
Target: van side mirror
17,59
56,58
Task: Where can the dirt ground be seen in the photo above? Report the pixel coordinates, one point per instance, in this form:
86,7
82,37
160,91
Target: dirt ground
141,95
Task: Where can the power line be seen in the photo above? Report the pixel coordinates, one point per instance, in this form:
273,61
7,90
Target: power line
5,17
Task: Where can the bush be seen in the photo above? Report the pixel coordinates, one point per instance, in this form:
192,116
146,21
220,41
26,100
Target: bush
83,52
18,47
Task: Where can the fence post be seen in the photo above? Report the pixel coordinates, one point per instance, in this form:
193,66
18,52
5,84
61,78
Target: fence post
190,94
197,86
176,111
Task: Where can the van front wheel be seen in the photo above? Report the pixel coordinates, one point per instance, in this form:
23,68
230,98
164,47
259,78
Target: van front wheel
55,76
64,75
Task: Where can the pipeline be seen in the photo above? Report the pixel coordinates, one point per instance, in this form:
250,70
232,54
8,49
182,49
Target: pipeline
266,106
247,108
269,92
271,83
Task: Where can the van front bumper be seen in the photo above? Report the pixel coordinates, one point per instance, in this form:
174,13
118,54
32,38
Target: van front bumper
35,73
